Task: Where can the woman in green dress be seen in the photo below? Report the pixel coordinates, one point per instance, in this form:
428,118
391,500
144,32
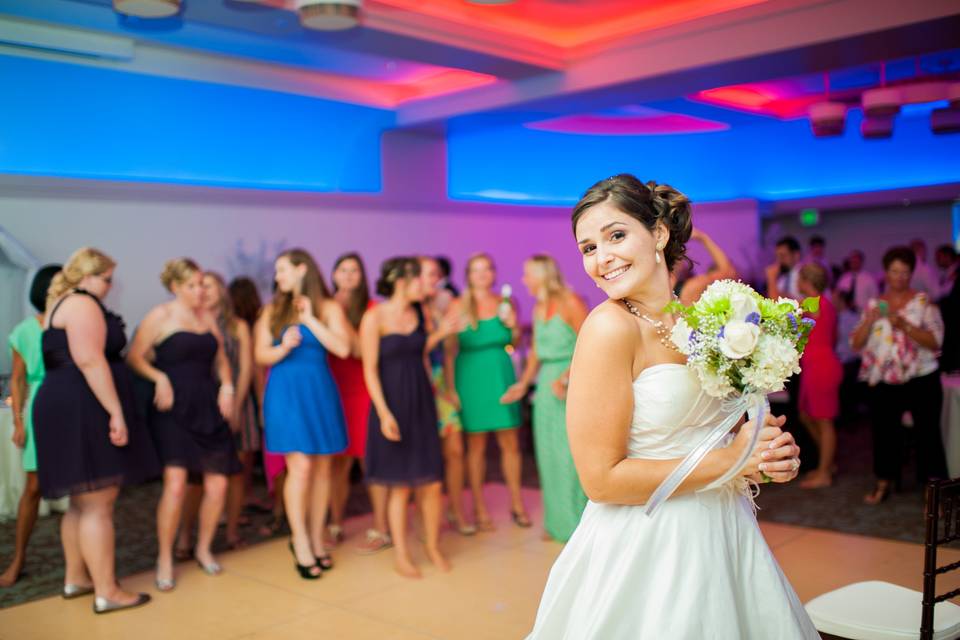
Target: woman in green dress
27,375
479,370
557,317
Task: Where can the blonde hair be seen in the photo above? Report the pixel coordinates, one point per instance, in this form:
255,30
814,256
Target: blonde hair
178,271
553,285
469,299
84,262
225,312
816,275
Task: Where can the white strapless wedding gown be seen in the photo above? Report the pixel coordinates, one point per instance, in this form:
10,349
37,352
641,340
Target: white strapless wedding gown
699,568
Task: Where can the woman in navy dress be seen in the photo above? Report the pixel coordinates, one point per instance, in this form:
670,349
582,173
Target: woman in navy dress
90,440
303,418
403,444
177,347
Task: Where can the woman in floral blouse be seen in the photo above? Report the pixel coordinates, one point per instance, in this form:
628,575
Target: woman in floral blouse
898,336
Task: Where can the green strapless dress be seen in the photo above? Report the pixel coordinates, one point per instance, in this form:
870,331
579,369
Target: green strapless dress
483,372
563,498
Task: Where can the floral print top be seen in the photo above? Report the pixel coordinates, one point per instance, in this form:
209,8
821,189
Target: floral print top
890,357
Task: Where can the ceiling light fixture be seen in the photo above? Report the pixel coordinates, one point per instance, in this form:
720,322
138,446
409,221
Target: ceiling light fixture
147,8
329,15
828,118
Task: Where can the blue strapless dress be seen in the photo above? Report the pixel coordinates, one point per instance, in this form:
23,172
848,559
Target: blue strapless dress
301,406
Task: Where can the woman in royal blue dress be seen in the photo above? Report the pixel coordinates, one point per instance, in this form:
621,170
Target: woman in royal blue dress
303,417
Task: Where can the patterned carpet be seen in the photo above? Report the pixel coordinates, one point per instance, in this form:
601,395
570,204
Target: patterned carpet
839,508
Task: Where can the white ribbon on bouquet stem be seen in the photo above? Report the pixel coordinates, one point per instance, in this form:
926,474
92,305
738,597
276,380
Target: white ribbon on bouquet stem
756,406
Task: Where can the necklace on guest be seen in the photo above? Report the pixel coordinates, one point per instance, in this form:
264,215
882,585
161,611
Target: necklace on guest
658,326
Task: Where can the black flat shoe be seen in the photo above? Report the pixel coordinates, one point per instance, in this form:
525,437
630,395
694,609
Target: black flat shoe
305,570
102,605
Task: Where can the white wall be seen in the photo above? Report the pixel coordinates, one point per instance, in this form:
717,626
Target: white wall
871,230
141,226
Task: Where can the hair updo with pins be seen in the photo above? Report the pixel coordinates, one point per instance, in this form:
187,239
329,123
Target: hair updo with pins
394,269
650,203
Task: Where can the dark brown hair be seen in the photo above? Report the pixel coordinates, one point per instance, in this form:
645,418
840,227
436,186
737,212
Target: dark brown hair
393,269
359,297
283,311
900,254
246,299
648,203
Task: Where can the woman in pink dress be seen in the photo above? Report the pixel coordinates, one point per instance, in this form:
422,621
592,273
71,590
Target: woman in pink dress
821,377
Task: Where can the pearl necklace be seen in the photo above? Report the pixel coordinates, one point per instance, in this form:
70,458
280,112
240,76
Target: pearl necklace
661,329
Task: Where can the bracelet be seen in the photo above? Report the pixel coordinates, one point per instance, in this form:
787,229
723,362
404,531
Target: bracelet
227,389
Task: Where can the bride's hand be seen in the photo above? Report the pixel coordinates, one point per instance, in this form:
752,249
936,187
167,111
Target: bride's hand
770,434
780,459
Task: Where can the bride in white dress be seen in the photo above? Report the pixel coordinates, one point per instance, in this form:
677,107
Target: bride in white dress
699,568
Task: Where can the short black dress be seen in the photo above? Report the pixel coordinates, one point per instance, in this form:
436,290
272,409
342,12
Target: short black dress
72,429
417,458
192,434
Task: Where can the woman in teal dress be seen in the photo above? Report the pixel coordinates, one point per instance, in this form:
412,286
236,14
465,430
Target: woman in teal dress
27,375
557,316
479,369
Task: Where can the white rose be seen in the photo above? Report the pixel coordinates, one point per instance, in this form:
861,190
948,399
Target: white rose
742,305
680,336
739,339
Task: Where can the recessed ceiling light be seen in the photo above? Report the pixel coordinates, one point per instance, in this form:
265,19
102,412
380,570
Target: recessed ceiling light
329,15
147,8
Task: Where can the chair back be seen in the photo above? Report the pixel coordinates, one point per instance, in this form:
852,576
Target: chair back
942,513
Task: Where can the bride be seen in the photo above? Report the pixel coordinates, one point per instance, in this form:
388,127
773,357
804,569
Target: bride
699,567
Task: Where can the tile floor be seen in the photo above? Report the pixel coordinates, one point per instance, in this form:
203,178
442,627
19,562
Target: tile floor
492,592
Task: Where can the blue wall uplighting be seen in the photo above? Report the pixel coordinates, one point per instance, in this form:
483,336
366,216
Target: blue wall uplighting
494,160
83,122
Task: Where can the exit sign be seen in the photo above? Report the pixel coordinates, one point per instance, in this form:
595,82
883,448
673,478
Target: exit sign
810,217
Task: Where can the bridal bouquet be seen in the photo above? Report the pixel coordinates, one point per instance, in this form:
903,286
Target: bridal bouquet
742,346
738,341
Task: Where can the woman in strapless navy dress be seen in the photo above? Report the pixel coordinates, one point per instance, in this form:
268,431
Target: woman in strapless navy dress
191,408
403,445
89,438
303,417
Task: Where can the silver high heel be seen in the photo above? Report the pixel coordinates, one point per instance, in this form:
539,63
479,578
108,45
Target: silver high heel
71,591
212,568
166,584
102,605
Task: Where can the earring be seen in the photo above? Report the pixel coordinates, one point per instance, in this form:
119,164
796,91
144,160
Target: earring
656,254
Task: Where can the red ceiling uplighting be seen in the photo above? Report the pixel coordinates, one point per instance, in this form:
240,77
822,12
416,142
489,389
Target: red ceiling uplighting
635,121
773,99
562,24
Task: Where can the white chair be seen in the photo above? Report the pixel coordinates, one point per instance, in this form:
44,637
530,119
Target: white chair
879,611
882,611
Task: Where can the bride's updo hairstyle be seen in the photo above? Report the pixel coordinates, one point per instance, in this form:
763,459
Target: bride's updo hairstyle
649,203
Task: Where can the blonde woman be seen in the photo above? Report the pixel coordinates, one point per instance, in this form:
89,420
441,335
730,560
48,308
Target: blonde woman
89,439
177,347
303,417
557,317
480,371
238,345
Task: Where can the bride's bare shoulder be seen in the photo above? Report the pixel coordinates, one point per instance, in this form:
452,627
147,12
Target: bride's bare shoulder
609,322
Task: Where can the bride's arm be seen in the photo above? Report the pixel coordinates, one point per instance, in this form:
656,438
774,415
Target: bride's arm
600,410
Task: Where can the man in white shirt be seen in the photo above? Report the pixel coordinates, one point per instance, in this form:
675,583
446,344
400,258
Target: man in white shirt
923,278
857,283
782,275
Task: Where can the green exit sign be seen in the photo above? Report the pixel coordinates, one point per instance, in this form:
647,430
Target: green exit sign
810,217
